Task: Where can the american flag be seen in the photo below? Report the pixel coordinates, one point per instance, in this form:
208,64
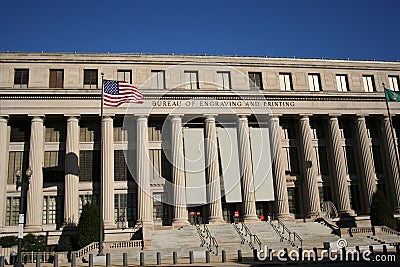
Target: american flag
116,93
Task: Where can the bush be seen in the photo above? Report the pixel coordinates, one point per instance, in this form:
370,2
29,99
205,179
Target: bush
8,241
34,243
381,211
89,225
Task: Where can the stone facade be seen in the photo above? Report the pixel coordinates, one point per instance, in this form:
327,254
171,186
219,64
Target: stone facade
330,144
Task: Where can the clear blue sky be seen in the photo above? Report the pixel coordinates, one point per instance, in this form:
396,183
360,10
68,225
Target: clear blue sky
355,29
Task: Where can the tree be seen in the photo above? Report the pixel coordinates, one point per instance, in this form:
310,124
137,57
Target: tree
381,211
8,241
89,225
34,243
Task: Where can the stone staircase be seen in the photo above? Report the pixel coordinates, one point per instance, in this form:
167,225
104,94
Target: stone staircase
181,240
185,239
229,240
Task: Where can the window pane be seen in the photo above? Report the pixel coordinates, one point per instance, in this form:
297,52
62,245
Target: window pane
255,80
56,79
394,83
90,79
21,78
157,79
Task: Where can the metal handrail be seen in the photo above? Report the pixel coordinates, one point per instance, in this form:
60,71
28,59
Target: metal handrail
253,238
240,233
207,238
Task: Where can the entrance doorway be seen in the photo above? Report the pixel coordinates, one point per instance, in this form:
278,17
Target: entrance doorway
229,210
198,214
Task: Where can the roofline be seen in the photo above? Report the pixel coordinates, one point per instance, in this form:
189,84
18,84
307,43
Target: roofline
200,56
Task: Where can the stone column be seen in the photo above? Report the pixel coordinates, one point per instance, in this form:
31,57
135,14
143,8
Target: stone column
178,173
248,191
34,208
212,165
4,139
309,168
71,187
392,161
107,184
145,199
367,163
339,169
281,194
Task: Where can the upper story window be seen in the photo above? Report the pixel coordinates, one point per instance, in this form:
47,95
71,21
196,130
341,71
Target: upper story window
255,80
285,81
369,83
157,79
224,80
394,83
90,79
56,79
21,78
342,83
315,82
191,80
124,75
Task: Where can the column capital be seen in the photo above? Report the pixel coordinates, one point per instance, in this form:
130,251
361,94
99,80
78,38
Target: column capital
175,116
209,117
37,118
333,118
334,115
4,119
243,117
72,118
108,118
141,117
305,115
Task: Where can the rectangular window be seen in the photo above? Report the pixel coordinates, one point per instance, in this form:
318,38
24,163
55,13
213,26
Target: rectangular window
157,79
85,199
89,131
155,161
154,130
350,160
123,209
322,160
191,80
342,83
12,211
292,160
224,80
255,80
120,133
376,154
314,81
293,200
52,210
21,78
55,131
89,165
369,83
160,209
124,75
394,83
17,159
285,81
56,79
90,79
53,169
121,171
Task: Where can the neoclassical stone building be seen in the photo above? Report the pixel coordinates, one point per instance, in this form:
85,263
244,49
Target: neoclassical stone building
214,135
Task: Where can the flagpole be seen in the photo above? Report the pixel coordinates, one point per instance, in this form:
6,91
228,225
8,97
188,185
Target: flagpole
101,170
392,129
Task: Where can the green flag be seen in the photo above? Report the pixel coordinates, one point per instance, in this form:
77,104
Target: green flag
392,95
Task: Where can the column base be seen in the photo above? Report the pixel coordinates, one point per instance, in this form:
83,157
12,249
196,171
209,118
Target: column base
250,218
216,220
145,223
397,210
33,228
110,225
314,214
178,222
347,213
285,217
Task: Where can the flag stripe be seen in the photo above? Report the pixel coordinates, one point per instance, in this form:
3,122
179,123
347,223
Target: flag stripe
117,93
